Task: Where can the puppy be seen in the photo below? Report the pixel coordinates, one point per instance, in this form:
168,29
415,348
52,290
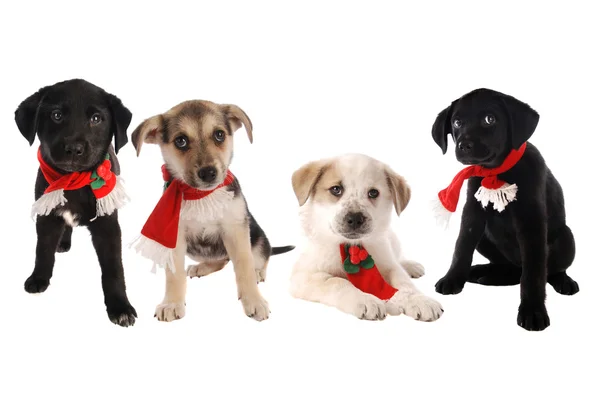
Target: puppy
76,184
349,200
196,141
523,234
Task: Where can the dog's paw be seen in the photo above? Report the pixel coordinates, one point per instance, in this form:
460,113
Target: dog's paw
169,312
256,307
414,269
415,305
369,307
122,314
563,284
199,270
450,285
63,246
261,274
533,317
34,284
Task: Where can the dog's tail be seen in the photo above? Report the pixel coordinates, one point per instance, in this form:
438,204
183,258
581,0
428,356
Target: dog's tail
495,274
276,250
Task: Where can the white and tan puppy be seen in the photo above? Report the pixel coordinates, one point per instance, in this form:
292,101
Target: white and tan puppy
349,200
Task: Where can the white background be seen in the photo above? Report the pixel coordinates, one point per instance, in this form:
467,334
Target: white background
317,79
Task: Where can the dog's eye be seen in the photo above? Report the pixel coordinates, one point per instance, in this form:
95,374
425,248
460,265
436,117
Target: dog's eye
336,190
56,115
457,123
181,142
373,193
489,119
96,119
219,136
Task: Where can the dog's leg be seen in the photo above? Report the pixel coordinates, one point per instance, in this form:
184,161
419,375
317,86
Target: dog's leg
408,299
65,241
472,227
49,229
173,305
561,255
530,221
414,269
498,272
337,292
237,243
106,238
205,268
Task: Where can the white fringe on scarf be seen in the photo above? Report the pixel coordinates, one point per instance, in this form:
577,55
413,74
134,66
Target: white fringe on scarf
441,214
116,199
498,197
160,255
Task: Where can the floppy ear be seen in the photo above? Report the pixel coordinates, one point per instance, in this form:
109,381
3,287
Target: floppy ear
237,118
306,177
522,120
442,127
148,132
26,115
399,188
121,118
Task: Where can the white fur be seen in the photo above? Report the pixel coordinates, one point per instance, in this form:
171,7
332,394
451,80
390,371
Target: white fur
70,218
318,275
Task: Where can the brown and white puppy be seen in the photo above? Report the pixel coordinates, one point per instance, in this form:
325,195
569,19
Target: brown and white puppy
349,199
196,141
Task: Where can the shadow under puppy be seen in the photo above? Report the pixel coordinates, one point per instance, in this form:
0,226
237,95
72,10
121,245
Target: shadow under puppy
514,213
202,212
78,183
353,260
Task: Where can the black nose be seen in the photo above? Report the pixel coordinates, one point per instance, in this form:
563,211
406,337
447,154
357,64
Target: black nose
207,174
355,220
466,146
74,148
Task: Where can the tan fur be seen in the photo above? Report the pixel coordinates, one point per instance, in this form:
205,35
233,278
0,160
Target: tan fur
306,177
400,190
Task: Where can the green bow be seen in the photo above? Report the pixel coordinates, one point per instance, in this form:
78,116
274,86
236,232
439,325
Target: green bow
352,268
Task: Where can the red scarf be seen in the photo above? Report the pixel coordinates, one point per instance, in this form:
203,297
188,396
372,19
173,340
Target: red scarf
492,189
362,272
159,234
105,186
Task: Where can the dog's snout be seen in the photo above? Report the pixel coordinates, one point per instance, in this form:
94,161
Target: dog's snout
75,148
466,146
355,220
207,174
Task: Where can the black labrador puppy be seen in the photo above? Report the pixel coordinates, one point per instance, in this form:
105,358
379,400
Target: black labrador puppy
528,242
75,122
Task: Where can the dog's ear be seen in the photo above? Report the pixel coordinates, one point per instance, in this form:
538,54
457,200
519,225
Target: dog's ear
442,127
522,120
237,117
26,115
399,188
148,131
306,177
121,118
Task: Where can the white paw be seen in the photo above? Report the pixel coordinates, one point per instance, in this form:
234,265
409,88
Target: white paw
169,312
414,269
256,307
415,305
199,270
368,307
261,274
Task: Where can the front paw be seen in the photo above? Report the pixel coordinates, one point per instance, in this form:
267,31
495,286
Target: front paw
450,285
63,246
256,307
34,284
533,317
368,307
414,269
167,312
122,314
415,305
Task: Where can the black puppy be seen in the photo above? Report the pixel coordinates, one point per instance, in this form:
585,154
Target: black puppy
75,122
526,240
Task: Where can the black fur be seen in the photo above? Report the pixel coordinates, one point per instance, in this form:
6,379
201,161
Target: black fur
77,101
529,242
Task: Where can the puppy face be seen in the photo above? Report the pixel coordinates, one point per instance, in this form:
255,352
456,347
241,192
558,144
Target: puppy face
485,125
75,122
196,140
349,197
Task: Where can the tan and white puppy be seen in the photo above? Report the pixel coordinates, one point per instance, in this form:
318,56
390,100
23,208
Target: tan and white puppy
196,142
349,199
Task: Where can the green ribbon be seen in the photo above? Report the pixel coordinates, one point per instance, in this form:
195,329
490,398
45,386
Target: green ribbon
98,181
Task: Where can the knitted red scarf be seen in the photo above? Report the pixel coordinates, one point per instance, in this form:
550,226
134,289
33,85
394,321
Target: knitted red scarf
363,273
179,201
105,186
493,189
